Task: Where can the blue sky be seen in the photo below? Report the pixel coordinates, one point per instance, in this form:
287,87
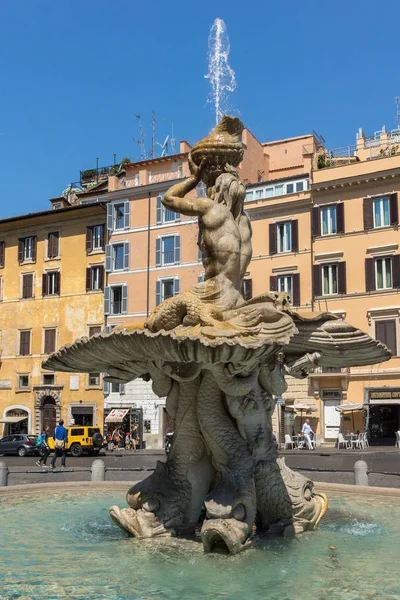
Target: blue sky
74,73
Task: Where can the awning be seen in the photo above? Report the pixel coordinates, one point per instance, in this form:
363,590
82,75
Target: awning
304,408
13,419
349,407
117,415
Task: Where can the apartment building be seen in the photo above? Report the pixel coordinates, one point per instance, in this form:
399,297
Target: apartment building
51,292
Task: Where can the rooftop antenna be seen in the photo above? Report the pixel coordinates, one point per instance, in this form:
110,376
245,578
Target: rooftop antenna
164,146
153,134
140,141
397,100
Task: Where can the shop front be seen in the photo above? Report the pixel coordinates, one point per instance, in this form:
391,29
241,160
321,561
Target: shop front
383,415
81,414
16,420
124,419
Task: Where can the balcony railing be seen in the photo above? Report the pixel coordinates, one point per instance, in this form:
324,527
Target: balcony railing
98,174
330,371
370,148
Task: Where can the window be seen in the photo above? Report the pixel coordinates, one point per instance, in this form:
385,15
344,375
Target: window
381,212
285,284
247,289
284,237
299,186
27,249
289,188
23,382
259,194
48,379
51,283
385,332
49,341
116,300
53,244
165,215
94,278
2,253
383,273
147,426
117,388
95,238
118,216
94,329
166,288
27,285
328,220
168,250
249,196
269,192
25,343
329,279
118,257
94,379
278,190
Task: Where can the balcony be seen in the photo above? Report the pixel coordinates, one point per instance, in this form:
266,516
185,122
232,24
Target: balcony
330,372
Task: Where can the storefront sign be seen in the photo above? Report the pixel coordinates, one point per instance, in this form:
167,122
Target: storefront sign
280,401
384,396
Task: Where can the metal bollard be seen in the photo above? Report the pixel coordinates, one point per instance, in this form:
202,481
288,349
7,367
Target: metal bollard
360,473
98,470
3,474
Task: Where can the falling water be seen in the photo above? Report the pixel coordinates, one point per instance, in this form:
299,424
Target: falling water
220,74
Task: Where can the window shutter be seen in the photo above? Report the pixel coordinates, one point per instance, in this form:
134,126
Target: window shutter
272,238
340,217
89,239
158,293
88,279
177,240
106,386
394,210
27,285
57,282
101,277
24,343
247,289
49,341
296,289
396,270
110,215
385,332
369,274
368,215
108,258
54,237
20,250
102,236
317,280
126,256
159,210
34,248
44,284
177,216
107,300
294,226
315,221
127,208
342,278
158,252
2,248
124,299
122,388
273,283
177,286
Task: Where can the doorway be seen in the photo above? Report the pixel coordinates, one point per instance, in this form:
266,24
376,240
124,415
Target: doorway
49,416
384,421
331,419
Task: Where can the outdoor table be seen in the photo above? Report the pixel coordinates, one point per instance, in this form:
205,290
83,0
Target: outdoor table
351,437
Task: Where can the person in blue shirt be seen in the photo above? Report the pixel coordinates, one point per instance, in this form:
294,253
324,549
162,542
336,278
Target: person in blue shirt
43,448
60,444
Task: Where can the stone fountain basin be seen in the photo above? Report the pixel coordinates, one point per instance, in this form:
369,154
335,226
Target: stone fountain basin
353,554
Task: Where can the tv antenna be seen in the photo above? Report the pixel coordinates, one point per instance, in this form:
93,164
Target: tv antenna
397,101
164,146
140,141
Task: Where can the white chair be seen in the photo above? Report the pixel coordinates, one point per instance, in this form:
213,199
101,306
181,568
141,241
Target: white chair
365,440
397,444
289,442
341,440
358,442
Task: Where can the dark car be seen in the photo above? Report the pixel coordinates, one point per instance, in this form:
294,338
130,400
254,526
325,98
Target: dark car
19,443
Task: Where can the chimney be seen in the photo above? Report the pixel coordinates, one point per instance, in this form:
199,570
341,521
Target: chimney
184,146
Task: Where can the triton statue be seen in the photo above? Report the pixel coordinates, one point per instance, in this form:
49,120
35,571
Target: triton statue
220,361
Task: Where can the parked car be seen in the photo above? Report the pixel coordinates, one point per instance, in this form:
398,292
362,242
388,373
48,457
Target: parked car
20,444
82,439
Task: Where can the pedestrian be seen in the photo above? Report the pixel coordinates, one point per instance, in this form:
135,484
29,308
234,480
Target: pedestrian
110,444
134,436
60,444
127,440
42,444
307,432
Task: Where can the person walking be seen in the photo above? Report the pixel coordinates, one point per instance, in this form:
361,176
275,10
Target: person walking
307,431
60,444
43,447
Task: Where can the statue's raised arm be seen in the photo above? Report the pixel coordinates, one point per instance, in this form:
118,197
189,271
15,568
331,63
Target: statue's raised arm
175,198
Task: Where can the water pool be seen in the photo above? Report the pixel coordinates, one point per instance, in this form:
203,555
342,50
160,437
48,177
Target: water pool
65,546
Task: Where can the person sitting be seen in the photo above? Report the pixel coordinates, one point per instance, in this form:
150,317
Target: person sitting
307,432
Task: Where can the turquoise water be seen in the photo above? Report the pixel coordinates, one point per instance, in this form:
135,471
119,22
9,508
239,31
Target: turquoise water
65,546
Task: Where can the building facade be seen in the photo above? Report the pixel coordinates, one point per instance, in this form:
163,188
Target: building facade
51,278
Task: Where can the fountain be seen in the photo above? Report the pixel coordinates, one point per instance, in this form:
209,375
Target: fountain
220,361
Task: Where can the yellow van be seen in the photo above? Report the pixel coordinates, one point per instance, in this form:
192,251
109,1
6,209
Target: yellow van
82,439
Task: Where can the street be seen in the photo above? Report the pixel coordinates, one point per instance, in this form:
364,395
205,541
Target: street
134,466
